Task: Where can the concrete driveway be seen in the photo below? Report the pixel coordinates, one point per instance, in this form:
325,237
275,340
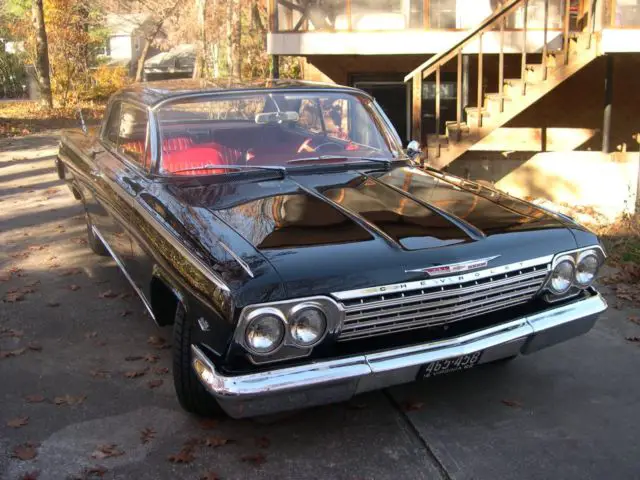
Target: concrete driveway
72,334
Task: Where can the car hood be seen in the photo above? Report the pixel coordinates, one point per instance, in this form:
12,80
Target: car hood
330,232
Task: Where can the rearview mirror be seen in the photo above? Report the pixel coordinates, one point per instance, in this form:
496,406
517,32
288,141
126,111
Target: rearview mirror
413,150
276,117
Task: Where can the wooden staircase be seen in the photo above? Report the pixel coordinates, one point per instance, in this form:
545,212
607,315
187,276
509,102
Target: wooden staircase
514,95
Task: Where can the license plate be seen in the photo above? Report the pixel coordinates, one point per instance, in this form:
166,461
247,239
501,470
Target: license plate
463,362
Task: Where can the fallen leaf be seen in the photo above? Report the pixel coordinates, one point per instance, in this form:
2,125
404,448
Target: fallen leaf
125,295
633,339
35,346
151,358
12,297
25,451
512,403
18,422
10,332
126,313
91,335
156,341
207,423
256,460
161,371
133,358
263,442
216,441
34,398
74,287
107,451
100,373
37,248
135,373
209,476
154,383
193,442
412,405
12,353
26,290
183,456
108,294
635,319
147,434
33,283
89,473
69,400
53,304
79,241
21,255
31,475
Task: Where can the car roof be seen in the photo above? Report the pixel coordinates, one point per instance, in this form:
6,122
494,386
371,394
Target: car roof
154,93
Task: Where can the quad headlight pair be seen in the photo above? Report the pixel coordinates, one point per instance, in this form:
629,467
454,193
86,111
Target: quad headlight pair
575,269
295,325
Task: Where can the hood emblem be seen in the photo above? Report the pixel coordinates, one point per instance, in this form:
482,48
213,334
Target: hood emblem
454,267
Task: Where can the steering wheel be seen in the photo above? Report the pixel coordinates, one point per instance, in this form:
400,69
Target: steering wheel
326,146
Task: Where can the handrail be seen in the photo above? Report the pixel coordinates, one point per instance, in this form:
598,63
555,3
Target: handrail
429,67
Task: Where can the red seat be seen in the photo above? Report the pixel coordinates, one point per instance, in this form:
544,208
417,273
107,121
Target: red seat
189,162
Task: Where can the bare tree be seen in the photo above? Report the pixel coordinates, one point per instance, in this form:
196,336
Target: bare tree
201,62
234,32
42,54
162,10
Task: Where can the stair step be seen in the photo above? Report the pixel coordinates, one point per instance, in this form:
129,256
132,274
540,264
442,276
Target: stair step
535,72
492,102
434,139
456,131
513,86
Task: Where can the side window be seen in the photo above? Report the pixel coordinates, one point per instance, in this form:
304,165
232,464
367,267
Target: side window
336,118
113,125
132,134
309,116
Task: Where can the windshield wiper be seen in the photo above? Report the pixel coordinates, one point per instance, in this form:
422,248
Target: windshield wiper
273,168
385,161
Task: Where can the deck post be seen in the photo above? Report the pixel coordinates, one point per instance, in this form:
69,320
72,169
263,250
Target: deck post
608,100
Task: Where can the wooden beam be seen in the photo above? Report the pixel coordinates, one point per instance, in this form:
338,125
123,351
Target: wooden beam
416,108
426,13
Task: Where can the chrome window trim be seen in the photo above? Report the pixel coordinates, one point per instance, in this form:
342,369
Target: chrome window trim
440,281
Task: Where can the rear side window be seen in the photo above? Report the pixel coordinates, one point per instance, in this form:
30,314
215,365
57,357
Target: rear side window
127,132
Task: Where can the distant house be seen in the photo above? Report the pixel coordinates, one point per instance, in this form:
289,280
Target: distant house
126,38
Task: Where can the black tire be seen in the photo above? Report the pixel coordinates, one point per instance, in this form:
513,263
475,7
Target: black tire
191,393
95,244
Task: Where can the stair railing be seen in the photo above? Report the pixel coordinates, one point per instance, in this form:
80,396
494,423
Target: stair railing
497,19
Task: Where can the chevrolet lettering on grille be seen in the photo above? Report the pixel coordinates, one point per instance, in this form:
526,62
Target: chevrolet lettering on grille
454,267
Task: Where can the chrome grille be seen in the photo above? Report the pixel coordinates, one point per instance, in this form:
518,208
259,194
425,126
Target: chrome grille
382,314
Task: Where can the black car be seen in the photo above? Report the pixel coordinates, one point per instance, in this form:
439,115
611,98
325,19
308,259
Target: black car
301,255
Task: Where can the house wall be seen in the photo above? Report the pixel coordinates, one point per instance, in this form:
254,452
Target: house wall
120,47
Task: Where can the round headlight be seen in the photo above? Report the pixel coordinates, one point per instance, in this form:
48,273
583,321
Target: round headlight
265,332
561,277
307,325
587,268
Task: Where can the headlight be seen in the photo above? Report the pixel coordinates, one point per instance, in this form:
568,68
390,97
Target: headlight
587,268
562,276
265,331
307,325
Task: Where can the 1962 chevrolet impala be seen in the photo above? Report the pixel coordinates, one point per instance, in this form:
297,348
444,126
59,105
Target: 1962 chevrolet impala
301,256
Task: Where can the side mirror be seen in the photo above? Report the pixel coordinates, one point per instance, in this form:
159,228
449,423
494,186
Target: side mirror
413,150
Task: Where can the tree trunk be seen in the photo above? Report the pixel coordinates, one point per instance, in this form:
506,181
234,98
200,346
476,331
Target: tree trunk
143,58
42,54
236,54
201,63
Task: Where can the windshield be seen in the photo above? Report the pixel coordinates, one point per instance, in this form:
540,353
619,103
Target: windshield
203,135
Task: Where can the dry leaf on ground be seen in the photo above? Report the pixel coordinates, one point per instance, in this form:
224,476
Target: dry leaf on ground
512,403
183,456
263,442
108,294
126,313
100,373
412,405
154,383
13,297
161,371
12,353
633,339
147,434
25,451
209,476
635,319
107,451
216,441
31,475
18,422
10,332
74,287
208,423
34,398
156,341
136,373
151,358
34,346
257,459
133,358
69,400
53,304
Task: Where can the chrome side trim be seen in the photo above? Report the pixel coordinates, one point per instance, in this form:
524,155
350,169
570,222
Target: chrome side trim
124,271
236,257
334,380
437,282
172,239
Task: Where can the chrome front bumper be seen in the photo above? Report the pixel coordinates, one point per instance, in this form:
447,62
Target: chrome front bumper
338,380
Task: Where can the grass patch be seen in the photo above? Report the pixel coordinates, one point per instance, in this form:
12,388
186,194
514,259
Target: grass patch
26,117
